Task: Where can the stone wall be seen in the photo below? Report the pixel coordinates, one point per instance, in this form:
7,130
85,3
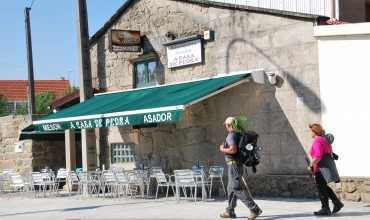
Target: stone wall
243,40
36,154
10,126
353,189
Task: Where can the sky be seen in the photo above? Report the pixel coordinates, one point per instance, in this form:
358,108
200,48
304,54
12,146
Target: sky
54,37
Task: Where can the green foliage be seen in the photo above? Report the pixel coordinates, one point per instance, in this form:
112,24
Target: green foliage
43,101
239,123
3,105
22,109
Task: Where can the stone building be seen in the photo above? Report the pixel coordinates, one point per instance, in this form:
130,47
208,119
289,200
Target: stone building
237,41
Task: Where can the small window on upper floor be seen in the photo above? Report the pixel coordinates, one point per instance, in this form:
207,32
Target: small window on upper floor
147,73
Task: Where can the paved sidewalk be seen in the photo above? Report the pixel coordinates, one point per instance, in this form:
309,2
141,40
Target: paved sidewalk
137,209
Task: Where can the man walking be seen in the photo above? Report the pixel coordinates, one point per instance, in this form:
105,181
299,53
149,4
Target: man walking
235,188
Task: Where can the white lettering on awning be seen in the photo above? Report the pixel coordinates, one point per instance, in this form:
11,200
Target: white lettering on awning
158,117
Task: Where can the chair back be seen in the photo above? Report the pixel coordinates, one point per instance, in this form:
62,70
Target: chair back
160,177
83,177
184,177
37,178
108,176
72,176
16,179
62,173
122,177
216,171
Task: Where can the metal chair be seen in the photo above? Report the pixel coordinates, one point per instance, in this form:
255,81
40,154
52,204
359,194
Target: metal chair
37,181
72,180
17,183
109,182
201,180
185,179
163,181
84,185
216,173
60,178
122,183
95,182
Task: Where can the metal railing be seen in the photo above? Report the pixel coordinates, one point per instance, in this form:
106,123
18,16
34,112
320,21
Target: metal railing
314,7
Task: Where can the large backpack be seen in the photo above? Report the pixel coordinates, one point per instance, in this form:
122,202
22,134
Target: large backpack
248,150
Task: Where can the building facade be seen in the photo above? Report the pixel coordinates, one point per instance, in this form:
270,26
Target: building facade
243,39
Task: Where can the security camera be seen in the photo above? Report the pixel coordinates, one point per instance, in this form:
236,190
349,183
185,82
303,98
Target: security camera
271,76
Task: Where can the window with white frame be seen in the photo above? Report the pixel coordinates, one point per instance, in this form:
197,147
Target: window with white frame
122,153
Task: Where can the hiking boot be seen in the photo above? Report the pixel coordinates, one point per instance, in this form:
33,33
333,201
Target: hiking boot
227,215
337,206
323,211
254,215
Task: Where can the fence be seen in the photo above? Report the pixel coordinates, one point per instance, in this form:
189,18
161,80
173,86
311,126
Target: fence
315,7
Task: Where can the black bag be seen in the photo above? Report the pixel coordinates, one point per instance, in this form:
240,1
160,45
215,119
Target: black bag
328,169
248,151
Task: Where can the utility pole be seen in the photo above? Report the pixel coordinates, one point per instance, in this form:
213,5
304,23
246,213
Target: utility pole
88,143
30,82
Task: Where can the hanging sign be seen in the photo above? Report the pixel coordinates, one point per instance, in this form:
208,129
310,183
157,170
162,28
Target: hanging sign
125,41
183,54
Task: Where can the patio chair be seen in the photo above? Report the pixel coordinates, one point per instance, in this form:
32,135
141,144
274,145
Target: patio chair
185,179
164,180
37,183
201,180
17,183
152,172
60,178
109,182
49,180
84,185
216,174
122,183
72,180
136,183
95,182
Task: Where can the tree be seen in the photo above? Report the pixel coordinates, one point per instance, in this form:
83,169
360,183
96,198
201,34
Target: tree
3,105
21,109
70,90
42,101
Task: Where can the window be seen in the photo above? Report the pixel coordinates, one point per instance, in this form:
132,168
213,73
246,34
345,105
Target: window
123,153
147,73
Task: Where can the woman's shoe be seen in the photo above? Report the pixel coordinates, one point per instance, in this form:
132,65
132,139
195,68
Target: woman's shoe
323,211
227,215
337,206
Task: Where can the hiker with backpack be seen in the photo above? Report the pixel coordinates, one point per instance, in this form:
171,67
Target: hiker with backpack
234,160
324,170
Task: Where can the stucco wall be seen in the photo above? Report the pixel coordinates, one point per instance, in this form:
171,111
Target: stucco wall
344,68
243,40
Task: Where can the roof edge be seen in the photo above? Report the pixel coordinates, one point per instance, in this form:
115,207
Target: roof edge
129,3
277,12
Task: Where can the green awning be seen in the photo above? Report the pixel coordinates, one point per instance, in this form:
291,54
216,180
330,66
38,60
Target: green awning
31,133
143,106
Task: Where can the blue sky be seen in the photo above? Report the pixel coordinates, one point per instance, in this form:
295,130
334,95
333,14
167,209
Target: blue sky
53,36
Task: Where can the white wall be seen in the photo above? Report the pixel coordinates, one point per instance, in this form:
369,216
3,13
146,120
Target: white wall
344,65
316,7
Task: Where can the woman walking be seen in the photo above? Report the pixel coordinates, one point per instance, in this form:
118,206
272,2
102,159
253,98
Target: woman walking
321,151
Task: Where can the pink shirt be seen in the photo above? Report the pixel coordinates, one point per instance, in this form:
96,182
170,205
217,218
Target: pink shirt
318,149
